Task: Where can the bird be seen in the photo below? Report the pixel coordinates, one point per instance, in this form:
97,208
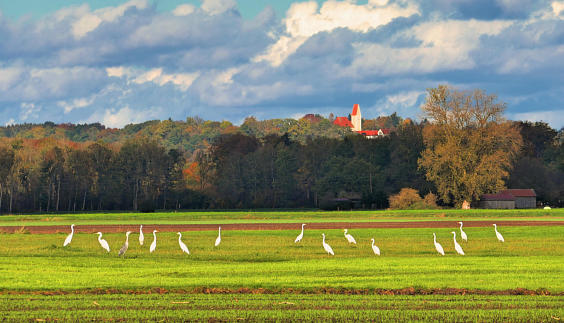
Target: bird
69,237
141,237
218,240
125,245
438,245
375,248
497,234
300,236
462,233
327,247
457,247
182,244
154,243
350,238
103,242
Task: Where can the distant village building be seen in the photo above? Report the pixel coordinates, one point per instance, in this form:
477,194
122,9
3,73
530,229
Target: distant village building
509,199
355,123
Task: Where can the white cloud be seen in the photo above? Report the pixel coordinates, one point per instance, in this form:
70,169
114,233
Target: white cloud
215,7
10,122
554,118
557,7
91,20
114,118
9,77
29,110
68,106
304,20
182,80
183,10
118,71
445,45
404,103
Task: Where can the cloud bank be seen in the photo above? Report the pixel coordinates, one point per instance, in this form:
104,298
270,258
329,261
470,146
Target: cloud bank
132,63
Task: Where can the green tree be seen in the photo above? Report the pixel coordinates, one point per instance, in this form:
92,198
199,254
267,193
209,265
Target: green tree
469,146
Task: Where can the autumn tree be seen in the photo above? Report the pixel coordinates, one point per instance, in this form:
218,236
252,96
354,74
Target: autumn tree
469,146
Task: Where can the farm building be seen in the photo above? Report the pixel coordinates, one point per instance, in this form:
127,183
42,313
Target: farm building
509,199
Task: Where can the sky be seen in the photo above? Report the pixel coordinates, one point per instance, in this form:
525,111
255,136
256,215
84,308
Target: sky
120,62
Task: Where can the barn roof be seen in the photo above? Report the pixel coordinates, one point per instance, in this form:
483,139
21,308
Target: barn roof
521,192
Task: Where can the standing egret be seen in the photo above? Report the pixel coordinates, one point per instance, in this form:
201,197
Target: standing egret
327,247
457,247
69,237
300,236
141,236
218,240
438,245
350,238
125,245
497,234
462,233
103,242
182,245
154,243
375,248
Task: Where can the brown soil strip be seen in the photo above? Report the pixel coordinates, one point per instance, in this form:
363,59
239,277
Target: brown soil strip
115,228
316,291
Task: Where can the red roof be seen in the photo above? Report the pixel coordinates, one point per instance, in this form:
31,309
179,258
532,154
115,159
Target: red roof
521,192
312,118
355,110
386,131
343,122
369,132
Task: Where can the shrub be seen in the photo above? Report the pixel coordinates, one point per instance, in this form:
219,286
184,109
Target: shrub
408,198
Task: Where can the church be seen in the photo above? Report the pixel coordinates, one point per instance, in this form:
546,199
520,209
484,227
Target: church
355,123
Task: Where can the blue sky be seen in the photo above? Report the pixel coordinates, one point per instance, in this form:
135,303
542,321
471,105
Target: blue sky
120,62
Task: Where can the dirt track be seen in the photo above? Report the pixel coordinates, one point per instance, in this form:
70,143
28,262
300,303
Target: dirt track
269,226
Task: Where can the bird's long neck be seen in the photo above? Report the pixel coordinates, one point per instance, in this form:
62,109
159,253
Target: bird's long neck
302,228
323,239
495,228
372,242
434,238
179,237
219,234
127,238
460,225
155,235
454,237
72,228
99,236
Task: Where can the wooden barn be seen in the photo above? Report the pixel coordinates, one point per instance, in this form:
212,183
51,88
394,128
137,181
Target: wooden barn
509,199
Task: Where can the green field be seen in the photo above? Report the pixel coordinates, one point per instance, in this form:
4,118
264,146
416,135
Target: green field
41,279
290,216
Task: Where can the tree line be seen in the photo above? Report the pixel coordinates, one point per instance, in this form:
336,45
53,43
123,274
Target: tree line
464,149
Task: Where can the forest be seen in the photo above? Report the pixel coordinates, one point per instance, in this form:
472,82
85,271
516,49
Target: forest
199,164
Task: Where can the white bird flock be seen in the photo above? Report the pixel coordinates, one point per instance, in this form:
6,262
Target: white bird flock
375,249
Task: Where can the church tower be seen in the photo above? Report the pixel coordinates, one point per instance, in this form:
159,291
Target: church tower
356,119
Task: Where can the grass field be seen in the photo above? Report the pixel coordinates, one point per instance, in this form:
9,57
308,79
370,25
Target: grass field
292,281
290,216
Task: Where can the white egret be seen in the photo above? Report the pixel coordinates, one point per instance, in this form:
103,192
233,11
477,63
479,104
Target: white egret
103,242
457,247
350,238
327,247
497,234
462,233
141,236
375,248
301,235
182,244
125,245
438,245
218,240
69,237
154,243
